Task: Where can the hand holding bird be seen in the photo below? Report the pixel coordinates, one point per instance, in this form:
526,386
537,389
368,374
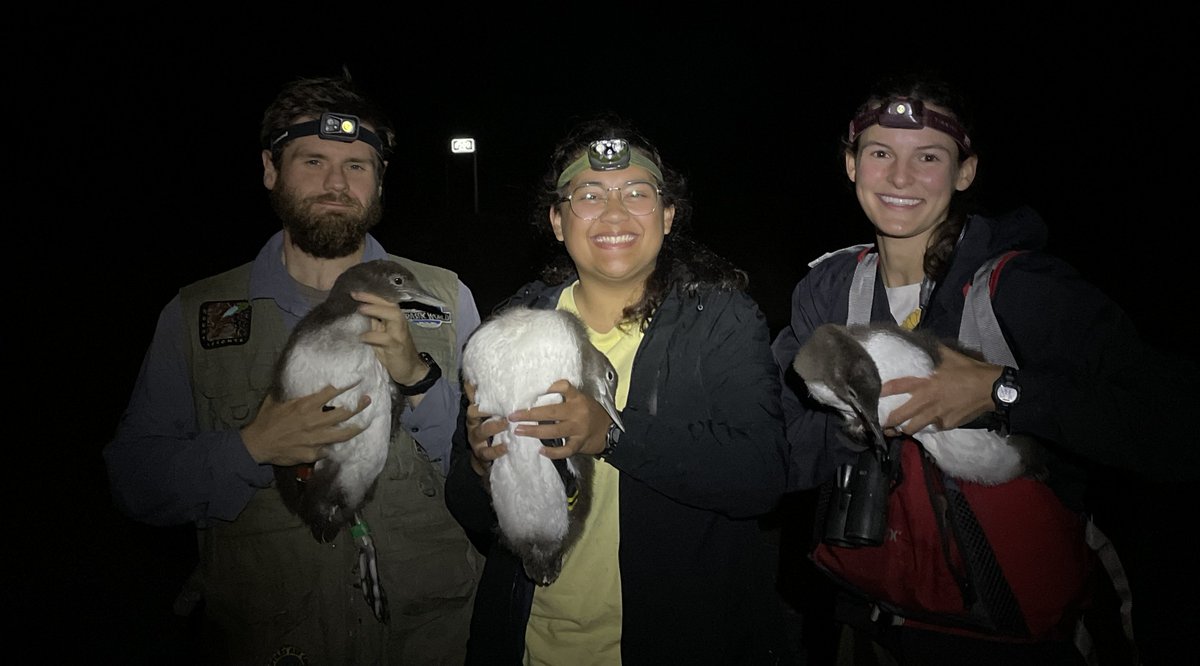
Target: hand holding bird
958,392
390,337
579,418
845,367
294,432
481,432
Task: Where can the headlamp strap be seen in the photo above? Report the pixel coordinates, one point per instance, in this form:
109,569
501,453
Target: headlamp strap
333,127
903,113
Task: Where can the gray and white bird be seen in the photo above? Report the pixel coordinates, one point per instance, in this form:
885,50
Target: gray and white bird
512,358
845,367
325,349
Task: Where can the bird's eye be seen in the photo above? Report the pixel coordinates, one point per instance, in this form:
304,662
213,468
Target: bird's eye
398,280
610,375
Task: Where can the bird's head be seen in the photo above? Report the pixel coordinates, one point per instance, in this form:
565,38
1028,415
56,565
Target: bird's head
386,279
840,373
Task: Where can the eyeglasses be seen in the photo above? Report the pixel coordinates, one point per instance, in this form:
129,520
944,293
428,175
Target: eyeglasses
589,201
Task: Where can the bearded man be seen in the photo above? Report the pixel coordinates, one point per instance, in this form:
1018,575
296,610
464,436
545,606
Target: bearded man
200,437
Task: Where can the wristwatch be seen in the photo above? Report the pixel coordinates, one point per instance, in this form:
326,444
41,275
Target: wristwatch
1006,392
610,441
435,371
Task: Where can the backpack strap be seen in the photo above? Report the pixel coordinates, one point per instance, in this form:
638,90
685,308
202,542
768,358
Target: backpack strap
859,249
862,287
979,328
987,592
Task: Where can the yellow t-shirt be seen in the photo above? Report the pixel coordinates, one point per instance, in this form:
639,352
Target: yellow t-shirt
577,618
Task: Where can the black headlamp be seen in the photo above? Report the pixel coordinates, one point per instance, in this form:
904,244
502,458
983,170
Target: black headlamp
904,113
609,154
333,127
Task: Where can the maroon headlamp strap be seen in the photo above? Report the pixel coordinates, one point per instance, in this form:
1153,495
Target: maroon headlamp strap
903,113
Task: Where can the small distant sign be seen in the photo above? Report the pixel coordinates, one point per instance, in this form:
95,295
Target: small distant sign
462,145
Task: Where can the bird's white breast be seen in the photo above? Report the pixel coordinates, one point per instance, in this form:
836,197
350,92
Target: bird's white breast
895,357
514,360
336,356
967,453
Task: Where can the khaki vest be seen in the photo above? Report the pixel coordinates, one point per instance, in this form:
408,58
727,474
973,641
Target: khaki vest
270,588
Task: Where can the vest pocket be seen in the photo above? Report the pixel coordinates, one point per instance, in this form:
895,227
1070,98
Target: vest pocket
410,488
230,394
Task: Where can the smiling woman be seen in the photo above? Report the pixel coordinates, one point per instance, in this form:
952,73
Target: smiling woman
671,566
905,175
1083,385
612,231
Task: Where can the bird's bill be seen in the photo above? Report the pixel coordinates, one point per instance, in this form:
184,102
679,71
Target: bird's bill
426,301
611,407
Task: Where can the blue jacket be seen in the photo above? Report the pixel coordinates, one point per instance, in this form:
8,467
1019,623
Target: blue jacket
702,456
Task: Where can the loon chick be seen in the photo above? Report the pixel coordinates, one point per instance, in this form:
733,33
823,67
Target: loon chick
511,359
325,349
845,367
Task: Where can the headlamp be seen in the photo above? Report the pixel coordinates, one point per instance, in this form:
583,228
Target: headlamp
904,113
609,155
332,127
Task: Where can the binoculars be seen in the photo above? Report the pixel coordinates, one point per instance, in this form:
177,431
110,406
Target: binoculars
857,510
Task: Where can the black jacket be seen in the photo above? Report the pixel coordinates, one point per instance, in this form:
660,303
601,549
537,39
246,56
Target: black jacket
702,456
1091,388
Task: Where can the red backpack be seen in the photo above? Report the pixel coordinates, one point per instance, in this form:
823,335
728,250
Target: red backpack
1006,561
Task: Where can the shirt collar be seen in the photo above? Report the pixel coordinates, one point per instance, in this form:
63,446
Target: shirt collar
269,277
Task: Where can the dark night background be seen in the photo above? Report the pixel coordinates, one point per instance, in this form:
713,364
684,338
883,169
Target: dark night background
145,175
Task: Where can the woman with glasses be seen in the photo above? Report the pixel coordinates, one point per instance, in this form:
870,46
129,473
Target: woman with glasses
671,567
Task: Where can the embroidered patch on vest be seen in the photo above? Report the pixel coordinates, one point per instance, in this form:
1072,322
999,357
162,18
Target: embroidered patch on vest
224,323
426,317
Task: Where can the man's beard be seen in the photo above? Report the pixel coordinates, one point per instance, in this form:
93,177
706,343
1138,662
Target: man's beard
332,235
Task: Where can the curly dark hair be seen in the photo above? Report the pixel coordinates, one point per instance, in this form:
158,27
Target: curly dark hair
310,97
930,87
683,262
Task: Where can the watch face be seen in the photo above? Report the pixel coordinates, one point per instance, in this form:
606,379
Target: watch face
613,436
1006,394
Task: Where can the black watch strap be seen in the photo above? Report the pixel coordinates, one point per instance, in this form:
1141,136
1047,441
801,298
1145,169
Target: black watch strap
610,441
435,372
